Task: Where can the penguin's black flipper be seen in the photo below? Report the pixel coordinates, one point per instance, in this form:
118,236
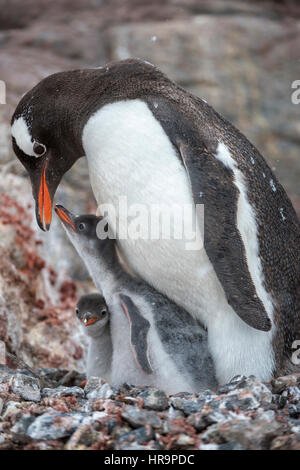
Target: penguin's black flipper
139,328
213,185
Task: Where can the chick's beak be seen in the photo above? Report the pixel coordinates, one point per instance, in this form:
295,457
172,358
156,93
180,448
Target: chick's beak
65,216
88,320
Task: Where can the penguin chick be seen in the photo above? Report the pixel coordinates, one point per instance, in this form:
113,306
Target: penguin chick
93,314
154,341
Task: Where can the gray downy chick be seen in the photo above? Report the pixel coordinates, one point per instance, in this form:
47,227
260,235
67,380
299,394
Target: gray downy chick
94,317
148,330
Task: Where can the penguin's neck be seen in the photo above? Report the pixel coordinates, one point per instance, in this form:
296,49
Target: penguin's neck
96,332
106,270
99,353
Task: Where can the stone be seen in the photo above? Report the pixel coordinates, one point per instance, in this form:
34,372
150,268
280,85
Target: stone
137,417
190,405
21,426
172,413
83,438
184,440
11,409
255,389
154,399
54,425
97,388
2,353
93,383
280,384
289,442
250,434
63,392
139,436
5,373
28,388
208,446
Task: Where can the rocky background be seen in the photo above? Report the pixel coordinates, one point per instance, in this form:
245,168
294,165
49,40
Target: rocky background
242,57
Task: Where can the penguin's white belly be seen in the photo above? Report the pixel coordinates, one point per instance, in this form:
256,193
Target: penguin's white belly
129,155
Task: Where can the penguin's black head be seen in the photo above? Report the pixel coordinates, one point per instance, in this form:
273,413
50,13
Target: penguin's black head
48,122
44,140
92,309
89,234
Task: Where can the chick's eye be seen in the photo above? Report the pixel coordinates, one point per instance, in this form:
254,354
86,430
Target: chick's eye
77,311
39,149
81,226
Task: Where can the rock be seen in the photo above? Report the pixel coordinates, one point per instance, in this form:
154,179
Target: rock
254,434
21,426
249,56
27,387
2,353
230,446
64,377
152,445
201,421
172,413
93,383
189,404
5,373
290,442
54,425
184,440
282,383
241,417
84,438
138,418
37,320
139,436
209,447
97,388
12,409
63,392
154,400
251,385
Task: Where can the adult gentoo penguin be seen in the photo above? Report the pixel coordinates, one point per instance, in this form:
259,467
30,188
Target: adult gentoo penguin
148,139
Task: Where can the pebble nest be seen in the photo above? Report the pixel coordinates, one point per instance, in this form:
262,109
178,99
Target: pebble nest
244,414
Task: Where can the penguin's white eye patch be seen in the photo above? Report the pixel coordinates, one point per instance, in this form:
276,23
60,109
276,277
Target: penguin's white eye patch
22,136
39,149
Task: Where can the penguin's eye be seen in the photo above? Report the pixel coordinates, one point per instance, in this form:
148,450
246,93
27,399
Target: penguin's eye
39,149
77,311
81,226
103,313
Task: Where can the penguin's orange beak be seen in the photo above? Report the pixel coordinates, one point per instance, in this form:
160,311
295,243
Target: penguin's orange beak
65,216
45,203
89,321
